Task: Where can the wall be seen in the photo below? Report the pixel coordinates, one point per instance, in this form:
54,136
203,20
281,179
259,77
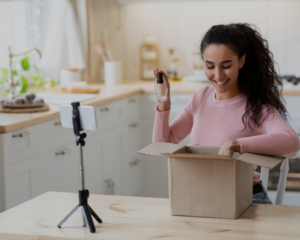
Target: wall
182,24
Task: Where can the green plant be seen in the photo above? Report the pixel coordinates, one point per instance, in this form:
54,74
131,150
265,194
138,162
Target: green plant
4,72
24,85
37,79
25,63
34,78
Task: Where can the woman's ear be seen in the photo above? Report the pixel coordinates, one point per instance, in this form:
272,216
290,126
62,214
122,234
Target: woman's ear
242,61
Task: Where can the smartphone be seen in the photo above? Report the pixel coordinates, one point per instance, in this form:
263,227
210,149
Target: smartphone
87,117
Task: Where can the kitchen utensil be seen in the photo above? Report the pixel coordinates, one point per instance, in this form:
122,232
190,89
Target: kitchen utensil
69,74
27,109
33,105
99,48
112,72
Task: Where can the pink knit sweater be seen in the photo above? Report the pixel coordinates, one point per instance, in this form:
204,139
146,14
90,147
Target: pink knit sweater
214,122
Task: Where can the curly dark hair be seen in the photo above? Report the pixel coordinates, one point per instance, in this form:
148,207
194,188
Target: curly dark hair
257,79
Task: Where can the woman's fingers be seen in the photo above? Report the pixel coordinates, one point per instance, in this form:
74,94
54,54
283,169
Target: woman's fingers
165,77
256,175
256,178
254,167
256,181
155,71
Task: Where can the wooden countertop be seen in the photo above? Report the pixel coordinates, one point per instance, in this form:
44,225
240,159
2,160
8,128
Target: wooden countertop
13,121
141,218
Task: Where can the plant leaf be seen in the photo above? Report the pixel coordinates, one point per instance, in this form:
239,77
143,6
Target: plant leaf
25,63
4,72
24,84
15,72
53,83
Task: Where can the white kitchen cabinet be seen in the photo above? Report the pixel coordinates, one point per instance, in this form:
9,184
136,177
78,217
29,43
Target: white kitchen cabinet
50,135
17,145
110,115
19,183
93,164
133,108
132,165
292,103
58,169
111,148
155,169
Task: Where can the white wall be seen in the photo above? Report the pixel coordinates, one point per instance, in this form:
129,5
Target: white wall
182,24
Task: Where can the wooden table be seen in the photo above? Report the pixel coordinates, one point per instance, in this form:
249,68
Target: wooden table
141,218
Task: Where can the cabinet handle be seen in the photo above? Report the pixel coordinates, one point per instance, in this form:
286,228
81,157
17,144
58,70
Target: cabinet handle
109,182
63,152
106,109
110,188
132,100
20,135
57,123
133,125
135,162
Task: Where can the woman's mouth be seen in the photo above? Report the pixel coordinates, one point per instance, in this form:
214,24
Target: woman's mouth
221,83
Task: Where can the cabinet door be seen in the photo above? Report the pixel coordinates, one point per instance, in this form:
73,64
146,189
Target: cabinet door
58,170
18,183
111,145
110,115
93,167
17,145
132,164
155,169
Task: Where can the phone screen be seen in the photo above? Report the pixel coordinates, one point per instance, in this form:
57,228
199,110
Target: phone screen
87,117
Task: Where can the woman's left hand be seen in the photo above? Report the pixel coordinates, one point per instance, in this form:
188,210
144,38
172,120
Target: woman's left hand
229,148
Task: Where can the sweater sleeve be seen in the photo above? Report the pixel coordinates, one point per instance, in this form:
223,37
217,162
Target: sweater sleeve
180,127
277,138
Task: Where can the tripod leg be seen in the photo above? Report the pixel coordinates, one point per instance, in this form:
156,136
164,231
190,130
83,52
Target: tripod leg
88,218
69,215
95,215
83,219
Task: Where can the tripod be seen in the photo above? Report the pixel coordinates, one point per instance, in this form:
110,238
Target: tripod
87,211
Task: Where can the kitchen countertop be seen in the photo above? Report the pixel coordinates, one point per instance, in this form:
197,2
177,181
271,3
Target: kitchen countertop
13,121
141,218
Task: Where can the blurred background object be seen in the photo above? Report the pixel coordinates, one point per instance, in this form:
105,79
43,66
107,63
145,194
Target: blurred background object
149,56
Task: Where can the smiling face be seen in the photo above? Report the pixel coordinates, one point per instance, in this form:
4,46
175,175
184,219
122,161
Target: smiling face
222,69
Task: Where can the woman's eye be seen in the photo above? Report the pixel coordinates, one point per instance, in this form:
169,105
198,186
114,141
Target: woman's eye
209,67
227,67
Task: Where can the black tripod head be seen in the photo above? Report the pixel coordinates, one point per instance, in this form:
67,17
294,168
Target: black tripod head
77,124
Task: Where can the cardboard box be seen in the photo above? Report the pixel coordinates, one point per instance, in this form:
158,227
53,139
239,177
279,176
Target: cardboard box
205,184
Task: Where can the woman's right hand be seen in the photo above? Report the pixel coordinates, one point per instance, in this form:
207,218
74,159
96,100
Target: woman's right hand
163,105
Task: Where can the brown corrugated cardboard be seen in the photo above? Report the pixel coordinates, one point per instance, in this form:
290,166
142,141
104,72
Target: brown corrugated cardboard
205,184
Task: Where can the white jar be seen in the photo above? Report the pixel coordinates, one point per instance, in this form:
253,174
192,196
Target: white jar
68,74
112,72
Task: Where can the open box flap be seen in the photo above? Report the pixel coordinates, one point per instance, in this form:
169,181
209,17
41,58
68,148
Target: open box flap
266,161
204,149
156,148
207,152
193,155
199,151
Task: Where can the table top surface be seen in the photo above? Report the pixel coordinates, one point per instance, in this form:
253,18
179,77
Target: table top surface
141,218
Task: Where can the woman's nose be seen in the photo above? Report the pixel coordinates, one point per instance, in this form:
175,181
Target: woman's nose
218,74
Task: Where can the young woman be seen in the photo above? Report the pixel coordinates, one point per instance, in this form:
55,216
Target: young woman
242,110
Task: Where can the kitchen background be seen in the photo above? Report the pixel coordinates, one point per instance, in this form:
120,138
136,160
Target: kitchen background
181,25
79,24
66,31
